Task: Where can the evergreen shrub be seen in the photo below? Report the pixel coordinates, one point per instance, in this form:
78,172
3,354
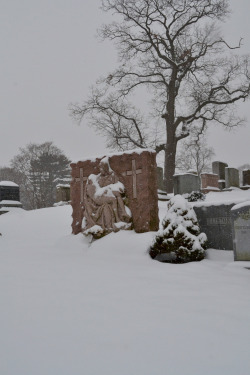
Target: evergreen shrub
179,240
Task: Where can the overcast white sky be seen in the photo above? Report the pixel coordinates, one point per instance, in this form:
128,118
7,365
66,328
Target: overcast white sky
50,57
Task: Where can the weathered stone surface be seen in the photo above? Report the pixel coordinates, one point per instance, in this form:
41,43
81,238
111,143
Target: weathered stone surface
241,231
105,208
246,177
218,167
209,182
63,193
9,191
232,177
186,183
137,171
160,182
215,221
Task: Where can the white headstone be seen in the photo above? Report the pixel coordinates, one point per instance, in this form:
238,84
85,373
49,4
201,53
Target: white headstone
241,231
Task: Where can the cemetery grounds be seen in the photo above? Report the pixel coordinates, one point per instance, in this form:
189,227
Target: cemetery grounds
106,308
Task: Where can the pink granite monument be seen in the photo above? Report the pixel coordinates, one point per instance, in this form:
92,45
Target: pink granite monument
209,182
136,173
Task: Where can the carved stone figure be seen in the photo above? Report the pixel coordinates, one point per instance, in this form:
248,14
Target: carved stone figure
136,170
104,207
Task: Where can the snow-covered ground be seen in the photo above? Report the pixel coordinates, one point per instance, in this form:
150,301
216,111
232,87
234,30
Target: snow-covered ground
70,308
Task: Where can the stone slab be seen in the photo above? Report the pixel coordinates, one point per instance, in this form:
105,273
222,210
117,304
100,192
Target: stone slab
62,193
215,221
10,193
160,182
246,177
218,167
186,183
232,177
209,182
137,171
241,231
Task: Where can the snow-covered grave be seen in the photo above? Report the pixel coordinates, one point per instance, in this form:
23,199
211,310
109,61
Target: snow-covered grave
70,307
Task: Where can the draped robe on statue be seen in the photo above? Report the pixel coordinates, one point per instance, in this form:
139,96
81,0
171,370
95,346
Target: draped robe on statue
104,208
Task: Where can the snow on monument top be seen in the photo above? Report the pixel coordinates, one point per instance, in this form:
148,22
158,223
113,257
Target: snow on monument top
8,183
240,205
93,158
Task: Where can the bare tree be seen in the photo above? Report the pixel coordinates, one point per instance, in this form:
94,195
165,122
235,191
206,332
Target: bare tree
42,167
194,155
175,49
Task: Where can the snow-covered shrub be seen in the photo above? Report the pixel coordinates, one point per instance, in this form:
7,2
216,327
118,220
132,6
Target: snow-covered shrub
179,240
195,196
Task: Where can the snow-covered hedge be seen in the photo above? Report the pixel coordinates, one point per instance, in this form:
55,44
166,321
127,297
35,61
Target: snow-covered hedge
179,240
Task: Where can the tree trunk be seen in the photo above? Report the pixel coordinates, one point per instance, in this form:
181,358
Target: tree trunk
169,166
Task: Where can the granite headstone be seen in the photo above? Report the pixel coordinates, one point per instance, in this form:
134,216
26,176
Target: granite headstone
186,183
209,182
232,177
241,231
160,182
9,191
246,177
62,193
9,196
215,221
218,167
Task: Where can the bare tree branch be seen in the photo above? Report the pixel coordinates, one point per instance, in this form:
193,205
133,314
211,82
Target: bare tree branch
176,51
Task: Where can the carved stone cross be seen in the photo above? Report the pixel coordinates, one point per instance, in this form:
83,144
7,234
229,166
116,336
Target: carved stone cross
81,179
133,173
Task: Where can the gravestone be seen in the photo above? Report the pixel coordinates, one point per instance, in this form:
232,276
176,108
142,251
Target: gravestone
246,177
136,170
232,177
215,221
218,167
9,196
241,231
9,191
186,183
209,182
160,182
62,193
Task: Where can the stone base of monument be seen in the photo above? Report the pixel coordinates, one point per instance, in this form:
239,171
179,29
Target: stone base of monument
6,205
241,231
210,190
